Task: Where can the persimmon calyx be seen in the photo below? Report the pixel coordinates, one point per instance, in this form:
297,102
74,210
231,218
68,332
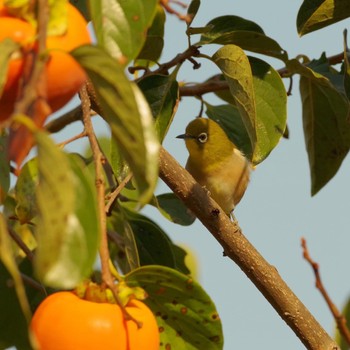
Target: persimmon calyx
91,291
27,11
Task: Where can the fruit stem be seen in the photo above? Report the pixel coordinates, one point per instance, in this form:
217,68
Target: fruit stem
99,159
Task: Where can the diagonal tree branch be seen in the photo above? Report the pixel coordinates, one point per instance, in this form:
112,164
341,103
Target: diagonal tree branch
264,276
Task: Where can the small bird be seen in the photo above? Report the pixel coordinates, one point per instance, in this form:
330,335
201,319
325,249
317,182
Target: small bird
216,163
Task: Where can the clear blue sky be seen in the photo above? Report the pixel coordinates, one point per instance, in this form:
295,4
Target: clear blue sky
277,209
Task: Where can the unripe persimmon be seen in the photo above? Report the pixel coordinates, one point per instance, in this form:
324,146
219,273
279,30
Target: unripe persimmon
64,321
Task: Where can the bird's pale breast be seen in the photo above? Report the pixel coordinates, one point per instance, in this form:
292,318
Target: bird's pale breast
226,181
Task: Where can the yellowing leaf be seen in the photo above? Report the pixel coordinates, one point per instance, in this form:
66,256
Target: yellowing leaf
235,66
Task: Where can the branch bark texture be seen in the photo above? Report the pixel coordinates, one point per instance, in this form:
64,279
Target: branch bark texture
264,276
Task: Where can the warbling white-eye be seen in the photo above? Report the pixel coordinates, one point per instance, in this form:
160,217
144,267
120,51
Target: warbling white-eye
216,163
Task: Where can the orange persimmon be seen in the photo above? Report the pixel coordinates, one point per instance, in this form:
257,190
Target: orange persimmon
64,76
64,321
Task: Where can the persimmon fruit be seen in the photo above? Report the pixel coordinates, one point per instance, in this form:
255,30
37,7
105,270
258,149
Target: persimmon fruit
64,321
63,73
64,76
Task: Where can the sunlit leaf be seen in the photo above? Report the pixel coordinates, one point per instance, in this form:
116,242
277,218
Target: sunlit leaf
271,108
127,112
120,26
317,14
7,47
246,34
184,311
67,228
235,66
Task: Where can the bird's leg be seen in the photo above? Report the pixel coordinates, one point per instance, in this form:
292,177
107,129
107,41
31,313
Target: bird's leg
232,217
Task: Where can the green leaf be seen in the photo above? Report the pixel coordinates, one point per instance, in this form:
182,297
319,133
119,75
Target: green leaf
153,46
67,229
334,77
119,165
123,248
317,14
87,215
180,255
153,244
271,113
193,9
4,167
172,208
224,94
162,94
120,26
26,206
185,313
230,120
326,126
338,337
271,108
346,67
82,6
235,66
7,48
7,258
246,34
128,114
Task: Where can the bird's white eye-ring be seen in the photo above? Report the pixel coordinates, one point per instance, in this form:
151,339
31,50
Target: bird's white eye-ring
202,137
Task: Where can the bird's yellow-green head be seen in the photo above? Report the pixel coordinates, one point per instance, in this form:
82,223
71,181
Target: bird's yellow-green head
206,141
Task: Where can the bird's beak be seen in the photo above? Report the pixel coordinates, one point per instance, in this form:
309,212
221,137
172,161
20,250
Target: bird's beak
185,136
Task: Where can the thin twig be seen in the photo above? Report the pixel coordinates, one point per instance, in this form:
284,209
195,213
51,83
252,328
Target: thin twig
192,51
72,139
114,195
98,156
100,185
34,88
18,240
61,122
199,89
338,317
34,284
169,9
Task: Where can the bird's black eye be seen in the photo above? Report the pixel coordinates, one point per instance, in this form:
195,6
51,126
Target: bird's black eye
202,137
